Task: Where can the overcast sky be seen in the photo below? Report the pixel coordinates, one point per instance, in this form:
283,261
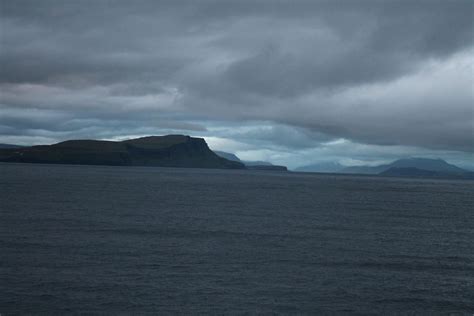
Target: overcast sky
293,82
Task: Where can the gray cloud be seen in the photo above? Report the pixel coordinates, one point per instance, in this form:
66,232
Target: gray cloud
391,73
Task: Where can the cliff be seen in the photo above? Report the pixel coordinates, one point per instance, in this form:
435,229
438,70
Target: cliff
162,151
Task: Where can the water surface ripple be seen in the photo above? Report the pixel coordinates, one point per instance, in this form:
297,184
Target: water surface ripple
189,241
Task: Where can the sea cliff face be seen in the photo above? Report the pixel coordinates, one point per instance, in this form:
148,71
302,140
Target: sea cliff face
162,151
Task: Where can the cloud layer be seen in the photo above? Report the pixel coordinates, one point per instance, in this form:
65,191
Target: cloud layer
381,73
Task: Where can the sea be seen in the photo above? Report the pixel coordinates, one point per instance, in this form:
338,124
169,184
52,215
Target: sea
164,241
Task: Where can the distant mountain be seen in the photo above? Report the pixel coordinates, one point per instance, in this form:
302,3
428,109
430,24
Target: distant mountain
426,164
437,165
162,151
409,167
233,157
324,166
10,146
228,156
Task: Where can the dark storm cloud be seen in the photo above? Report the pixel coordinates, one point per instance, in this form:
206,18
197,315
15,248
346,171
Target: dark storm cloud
376,72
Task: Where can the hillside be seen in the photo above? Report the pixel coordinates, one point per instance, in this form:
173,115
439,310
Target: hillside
162,151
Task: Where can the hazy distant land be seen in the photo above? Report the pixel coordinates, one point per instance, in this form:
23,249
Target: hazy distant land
407,167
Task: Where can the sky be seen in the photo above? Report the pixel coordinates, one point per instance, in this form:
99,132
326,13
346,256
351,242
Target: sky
291,82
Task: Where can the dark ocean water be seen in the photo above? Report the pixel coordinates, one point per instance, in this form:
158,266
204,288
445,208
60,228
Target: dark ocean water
188,241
